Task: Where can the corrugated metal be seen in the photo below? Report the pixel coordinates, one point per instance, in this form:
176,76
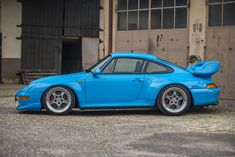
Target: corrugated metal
73,16
81,18
42,23
0,57
45,22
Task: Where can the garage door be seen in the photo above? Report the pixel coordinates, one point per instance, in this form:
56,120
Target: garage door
156,27
221,46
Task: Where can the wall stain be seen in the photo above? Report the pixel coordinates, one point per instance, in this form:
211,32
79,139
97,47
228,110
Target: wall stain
150,46
197,27
159,38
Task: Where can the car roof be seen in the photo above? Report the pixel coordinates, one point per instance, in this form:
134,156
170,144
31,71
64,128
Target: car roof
141,55
146,56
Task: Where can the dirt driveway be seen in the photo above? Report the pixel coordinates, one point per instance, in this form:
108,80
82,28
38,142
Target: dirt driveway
201,132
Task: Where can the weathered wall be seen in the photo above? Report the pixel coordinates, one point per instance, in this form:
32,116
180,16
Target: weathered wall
176,45
90,49
220,45
11,47
171,45
197,27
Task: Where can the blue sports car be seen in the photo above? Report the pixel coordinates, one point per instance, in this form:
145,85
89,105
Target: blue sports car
125,80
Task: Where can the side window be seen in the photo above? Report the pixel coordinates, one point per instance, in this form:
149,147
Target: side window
155,68
109,67
128,65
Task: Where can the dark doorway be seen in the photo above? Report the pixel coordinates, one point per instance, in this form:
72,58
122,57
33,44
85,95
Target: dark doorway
71,56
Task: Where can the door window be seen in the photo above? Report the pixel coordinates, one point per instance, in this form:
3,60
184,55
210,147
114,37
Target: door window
128,65
109,67
100,64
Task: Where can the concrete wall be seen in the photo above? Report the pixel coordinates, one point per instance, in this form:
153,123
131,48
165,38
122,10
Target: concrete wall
11,47
197,27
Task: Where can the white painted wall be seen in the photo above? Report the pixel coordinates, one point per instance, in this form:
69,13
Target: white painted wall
90,49
10,17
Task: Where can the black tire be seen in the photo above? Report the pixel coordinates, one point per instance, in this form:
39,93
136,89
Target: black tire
69,106
185,105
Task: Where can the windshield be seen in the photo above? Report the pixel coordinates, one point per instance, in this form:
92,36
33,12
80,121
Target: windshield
98,64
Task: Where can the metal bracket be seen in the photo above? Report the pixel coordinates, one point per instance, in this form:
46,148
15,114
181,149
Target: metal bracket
101,8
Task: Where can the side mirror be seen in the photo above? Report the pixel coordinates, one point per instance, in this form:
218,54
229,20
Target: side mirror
97,71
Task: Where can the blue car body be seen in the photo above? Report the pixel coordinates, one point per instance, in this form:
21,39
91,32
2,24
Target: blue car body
121,90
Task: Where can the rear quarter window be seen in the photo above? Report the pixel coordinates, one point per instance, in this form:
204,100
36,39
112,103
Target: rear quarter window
153,67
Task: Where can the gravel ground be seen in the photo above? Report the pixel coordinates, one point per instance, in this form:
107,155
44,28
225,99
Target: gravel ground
201,132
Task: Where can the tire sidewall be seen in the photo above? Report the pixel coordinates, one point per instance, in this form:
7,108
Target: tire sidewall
72,104
161,106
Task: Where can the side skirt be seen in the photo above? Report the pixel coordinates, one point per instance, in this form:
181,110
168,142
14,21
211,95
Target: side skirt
116,108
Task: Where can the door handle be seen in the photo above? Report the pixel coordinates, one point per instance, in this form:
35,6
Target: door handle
139,80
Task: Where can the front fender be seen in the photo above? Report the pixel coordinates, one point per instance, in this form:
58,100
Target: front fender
36,91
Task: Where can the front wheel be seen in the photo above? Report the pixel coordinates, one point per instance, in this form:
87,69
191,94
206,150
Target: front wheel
174,100
58,100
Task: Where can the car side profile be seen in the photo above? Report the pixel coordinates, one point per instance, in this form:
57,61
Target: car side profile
124,80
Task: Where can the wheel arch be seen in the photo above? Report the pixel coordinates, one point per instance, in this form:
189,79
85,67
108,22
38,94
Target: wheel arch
75,95
179,84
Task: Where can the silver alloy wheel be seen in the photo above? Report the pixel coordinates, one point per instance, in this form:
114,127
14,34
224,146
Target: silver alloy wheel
58,99
174,100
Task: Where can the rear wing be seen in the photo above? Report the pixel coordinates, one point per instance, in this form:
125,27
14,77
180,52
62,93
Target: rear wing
205,68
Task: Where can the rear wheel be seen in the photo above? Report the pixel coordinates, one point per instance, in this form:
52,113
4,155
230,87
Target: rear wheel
174,100
58,100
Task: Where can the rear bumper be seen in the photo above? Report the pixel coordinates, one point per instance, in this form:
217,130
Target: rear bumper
205,96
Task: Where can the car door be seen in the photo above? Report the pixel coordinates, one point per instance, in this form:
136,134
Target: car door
118,84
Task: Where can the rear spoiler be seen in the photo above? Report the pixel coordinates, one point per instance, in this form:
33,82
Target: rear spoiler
205,68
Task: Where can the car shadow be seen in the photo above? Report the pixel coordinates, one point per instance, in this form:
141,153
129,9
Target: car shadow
120,112
96,112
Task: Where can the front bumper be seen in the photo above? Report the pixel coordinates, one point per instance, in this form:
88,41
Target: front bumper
33,104
205,96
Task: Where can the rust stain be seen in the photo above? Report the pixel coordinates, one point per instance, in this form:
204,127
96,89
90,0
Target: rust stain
213,36
159,38
218,41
